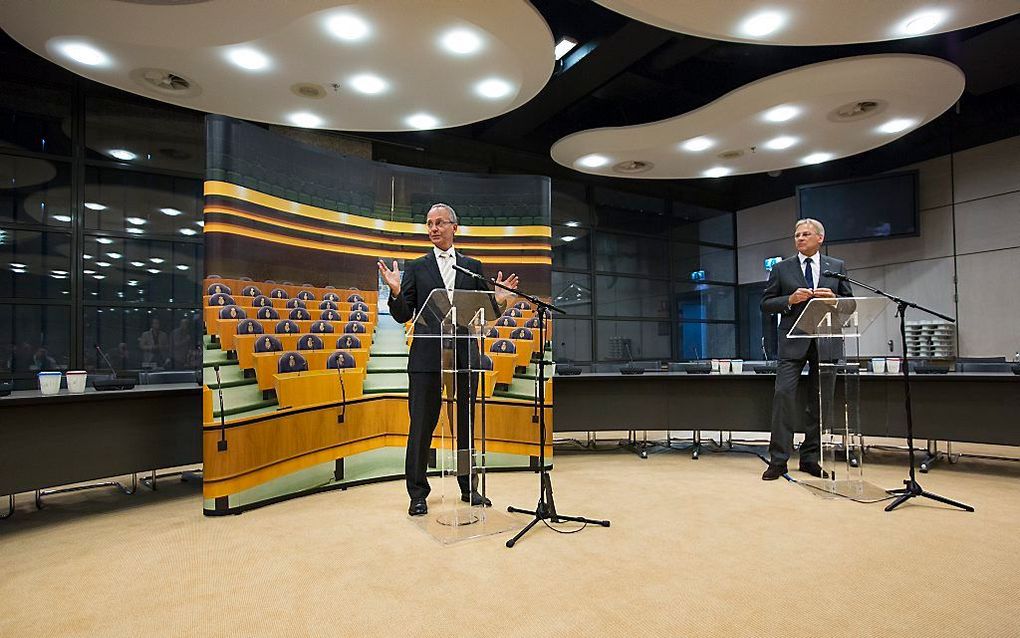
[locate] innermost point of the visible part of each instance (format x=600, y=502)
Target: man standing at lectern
x=792, y=283
x=432, y=271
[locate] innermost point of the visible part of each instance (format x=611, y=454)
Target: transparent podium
x=837, y=324
x=453, y=321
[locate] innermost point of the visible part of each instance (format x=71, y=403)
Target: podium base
x=855, y=490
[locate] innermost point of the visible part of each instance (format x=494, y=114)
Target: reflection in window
x=632, y=297
x=570, y=247
x=701, y=302
x=695, y=262
x=149, y=339
x=706, y=340
x=117, y=269
x=568, y=204
x=34, y=118
x=142, y=204
x=572, y=292
x=698, y=224
x=34, y=338
x=146, y=136
x=35, y=264
x=572, y=340
x=638, y=340
x=630, y=255
x=35, y=191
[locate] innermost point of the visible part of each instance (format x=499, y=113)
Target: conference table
x=965, y=407
x=69, y=438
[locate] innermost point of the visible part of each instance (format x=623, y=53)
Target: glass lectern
x=454, y=323
x=837, y=324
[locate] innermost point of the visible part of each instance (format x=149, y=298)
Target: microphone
x=467, y=272
x=837, y=275
x=631, y=368
x=221, y=445
x=113, y=383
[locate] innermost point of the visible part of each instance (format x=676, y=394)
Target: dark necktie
x=808, y=275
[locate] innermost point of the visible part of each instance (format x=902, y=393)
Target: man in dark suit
x=429, y=272
x=792, y=283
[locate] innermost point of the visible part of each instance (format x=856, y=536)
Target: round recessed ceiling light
x=816, y=158
x=114, y=255
x=593, y=161
x=368, y=84
x=138, y=264
x=305, y=119
x=762, y=24
x=154, y=271
x=137, y=221
x=568, y=238
x=572, y=224
x=135, y=231
x=248, y=58
x=103, y=264
x=62, y=218
x=347, y=27
x=461, y=41
x=156, y=260
x=18, y=265
x=84, y=54
x=422, y=121
x=182, y=266
x=781, y=113
x=897, y=125
x=717, y=171
x=493, y=88
x=104, y=240
x=172, y=212
x=697, y=144
x=121, y=154
x=94, y=206
x=781, y=142
x=188, y=231
x=922, y=22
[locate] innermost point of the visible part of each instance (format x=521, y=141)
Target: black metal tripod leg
x=947, y=501
x=517, y=510
x=903, y=498
x=527, y=528
x=559, y=518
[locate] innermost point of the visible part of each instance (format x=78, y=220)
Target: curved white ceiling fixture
x=828, y=110
x=372, y=65
x=795, y=22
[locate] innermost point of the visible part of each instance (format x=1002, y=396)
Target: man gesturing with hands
x=408, y=293
x=792, y=283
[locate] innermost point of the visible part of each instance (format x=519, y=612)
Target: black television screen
x=880, y=207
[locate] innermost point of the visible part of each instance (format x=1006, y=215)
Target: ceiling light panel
x=817, y=22
x=474, y=60
x=746, y=131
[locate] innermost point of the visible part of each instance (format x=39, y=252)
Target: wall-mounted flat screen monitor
x=879, y=207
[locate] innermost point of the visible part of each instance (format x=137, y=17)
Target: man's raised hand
x=510, y=282
x=391, y=277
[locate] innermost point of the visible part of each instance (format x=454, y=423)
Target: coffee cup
x=892, y=365
x=878, y=365
x=76, y=381
x=724, y=366
x=737, y=366
x=715, y=366
x=49, y=382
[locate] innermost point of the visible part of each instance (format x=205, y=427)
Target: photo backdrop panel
x=305, y=371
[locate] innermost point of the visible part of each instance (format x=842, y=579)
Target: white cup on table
x=49, y=382
x=76, y=381
x=724, y=366
x=737, y=366
x=878, y=365
x=715, y=366
x=892, y=365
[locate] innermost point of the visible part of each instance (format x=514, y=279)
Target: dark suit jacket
x=786, y=277
x=421, y=276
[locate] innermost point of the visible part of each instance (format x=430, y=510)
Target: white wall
x=978, y=239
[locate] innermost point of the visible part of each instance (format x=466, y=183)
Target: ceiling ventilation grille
x=855, y=111
x=166, y=82
x=309, y=90
x=631, y=167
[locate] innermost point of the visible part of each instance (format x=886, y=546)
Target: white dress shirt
x=816, y=266
x=446, y=259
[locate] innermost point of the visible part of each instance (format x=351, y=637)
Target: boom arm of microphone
x=837, y=275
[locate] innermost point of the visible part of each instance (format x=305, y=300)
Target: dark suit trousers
x=787, y=411
x=424, y=402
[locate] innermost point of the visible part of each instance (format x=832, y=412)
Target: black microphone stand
x=911, y=487
x=546, y=508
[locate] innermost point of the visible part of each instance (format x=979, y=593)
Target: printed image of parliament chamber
x=530, y=317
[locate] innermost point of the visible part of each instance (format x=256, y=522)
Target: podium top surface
x=841, y=317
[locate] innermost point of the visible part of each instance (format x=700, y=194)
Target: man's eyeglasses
x=442, y=223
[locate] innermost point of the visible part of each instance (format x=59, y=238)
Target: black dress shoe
x=774, y=471
x=813, y=468
x=418, y=507
x=475, y=498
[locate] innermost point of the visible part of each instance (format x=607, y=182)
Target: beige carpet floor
x=696, y=548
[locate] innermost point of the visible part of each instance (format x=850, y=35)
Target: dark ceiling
x=627, y=72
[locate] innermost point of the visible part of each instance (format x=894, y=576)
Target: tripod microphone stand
x=546, y=508
x=911, y=487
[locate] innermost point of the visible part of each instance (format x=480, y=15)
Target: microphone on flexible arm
x=837, y=275
x=113, y=383
x=467, y=272
x=631, y=368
